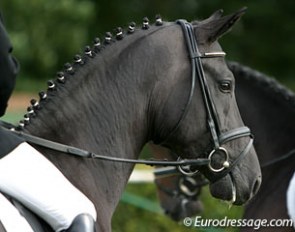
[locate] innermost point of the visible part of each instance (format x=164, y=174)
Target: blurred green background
x=48, y=33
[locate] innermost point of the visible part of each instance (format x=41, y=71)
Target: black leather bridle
x=218, y=138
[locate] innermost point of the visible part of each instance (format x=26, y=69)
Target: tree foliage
x=46, y=34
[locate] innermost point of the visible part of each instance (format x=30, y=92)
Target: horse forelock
x=266, y=83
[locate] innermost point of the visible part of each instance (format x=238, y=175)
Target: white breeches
x=32, y=179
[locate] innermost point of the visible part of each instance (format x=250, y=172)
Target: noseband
x=218, y=138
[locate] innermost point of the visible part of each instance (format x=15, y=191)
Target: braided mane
x=81, y=60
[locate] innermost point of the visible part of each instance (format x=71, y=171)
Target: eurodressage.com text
x=256, y=224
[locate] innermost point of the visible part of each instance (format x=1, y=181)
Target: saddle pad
x=11, y=218
x=30, y=178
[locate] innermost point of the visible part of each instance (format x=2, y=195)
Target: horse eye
x=225, y=86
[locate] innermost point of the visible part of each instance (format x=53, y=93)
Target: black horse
x=269, y=109
x=273, y=108
x=139, y=86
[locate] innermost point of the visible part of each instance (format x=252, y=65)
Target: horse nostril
x=256, y=186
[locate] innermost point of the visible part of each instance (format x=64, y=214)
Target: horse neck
x=267, y=108
x=104, y=108
x=103, y=105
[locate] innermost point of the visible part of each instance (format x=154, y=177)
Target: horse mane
x=80, y=61
x=266, y=83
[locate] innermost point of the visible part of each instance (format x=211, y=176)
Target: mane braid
x=80, y=60
x=267, y=83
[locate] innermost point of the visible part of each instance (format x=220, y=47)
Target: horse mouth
x=226, y=189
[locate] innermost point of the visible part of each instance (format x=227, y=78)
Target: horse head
x=199, y=117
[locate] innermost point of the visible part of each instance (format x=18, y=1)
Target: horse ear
x=211, y=29
x=216, y=15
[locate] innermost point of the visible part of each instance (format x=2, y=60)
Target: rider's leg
x=32, y=179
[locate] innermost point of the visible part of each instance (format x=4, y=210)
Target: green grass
x=137, y=215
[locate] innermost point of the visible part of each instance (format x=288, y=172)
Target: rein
x=286, y=156
x=70, y=150
x=164, y=172
x=223, y=168
x=172, y=171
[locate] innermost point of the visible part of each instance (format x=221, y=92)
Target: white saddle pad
x=34, y=181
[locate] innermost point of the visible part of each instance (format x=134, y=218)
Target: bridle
x=191, y=194
x=163, y=172
x=218, y=138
